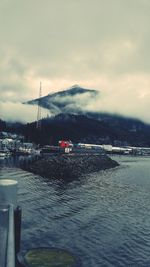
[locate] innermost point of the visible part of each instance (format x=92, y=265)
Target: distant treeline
x=90, y=128
x=2, y=125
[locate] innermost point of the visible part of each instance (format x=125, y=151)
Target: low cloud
x=20, y=112
x=128, y=95
x=105, y=47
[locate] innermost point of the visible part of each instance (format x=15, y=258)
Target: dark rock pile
x=70, y=166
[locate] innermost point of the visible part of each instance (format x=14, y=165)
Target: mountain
x=71, y=120
x=81, y=128
x=71, y=100
x=90, y=128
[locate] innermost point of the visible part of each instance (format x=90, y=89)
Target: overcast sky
x=101, y=44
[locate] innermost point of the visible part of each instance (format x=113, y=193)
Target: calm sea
x=103, y=218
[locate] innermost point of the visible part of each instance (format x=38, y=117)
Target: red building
x=65, y=143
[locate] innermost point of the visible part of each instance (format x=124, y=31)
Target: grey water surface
x=103, y=218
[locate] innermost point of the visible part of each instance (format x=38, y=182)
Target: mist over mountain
x=74, y=116
x=19, y=112
x=73, y=100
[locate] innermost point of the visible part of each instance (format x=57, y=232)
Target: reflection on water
x=104, y=218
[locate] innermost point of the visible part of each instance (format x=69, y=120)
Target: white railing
x=10, y=248
x=8, y=201
x=7, y=238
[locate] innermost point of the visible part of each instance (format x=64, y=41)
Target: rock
x=70, y=166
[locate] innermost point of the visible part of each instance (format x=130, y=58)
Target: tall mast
x=38, y=123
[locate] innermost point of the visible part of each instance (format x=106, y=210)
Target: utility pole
x=38, y=123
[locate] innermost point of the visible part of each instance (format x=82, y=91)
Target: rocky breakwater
x=69, y=166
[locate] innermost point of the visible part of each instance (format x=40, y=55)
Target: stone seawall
x=69, y=166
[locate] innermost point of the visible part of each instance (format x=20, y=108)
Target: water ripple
x=103, y=217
